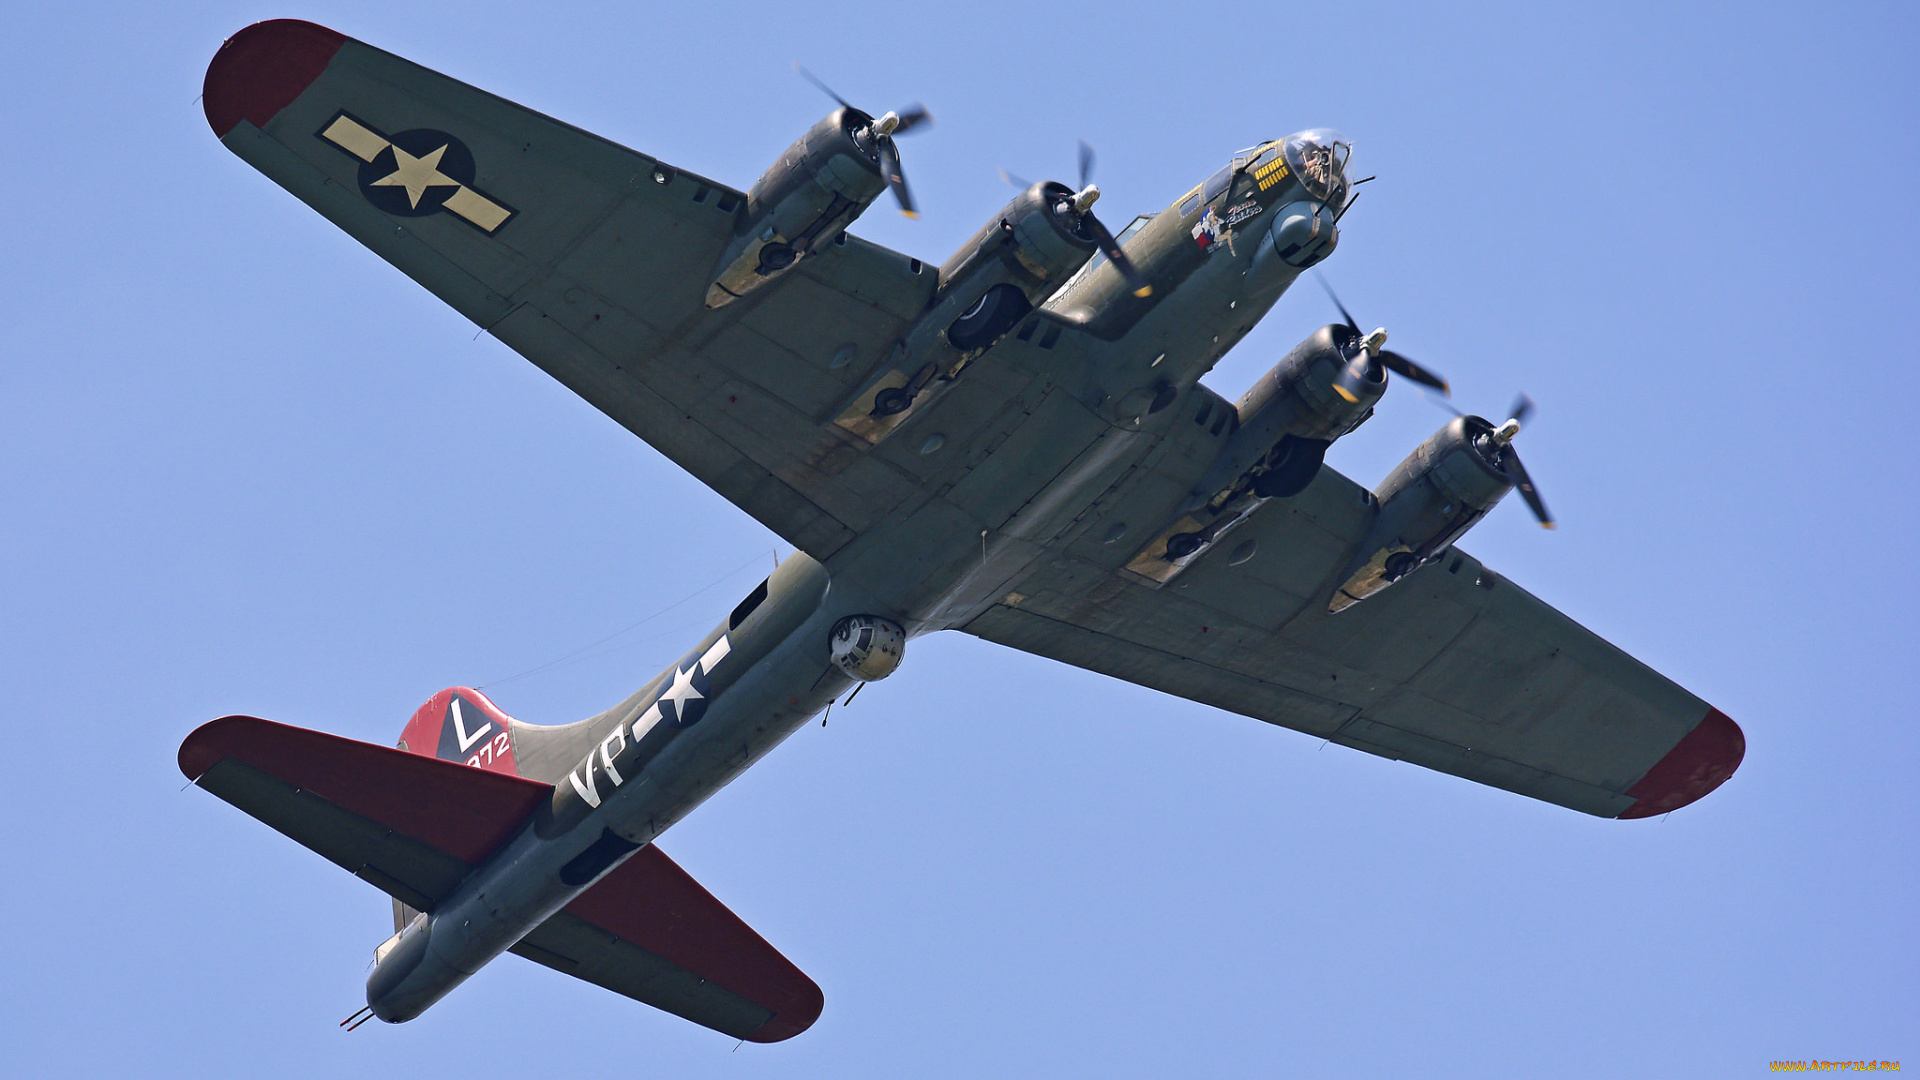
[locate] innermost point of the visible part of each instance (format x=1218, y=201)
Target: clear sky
x=245, y=466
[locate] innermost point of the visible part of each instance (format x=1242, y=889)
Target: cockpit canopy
x=1318, y=157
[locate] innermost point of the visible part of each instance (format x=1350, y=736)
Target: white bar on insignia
x=347, y=133
x=644, y=722
x=715, y=654
x=478, y=209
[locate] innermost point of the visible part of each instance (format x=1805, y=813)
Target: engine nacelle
x=1289, y=418
x=992, y=282
x=1029, y=248
x=1424, y=505
x=823, y=182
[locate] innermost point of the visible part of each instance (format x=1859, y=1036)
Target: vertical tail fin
x=460, y=724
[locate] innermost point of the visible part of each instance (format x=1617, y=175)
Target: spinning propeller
x=880, y=132
x=1079, y=205
x=1500, y=444
x=1365, y=367
x=1497, y=446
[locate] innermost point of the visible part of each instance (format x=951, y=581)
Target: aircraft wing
x=1453, y=667
x=415, y=826
x=591, y=260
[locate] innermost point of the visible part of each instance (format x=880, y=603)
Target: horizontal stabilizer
x=416, y=826
x=411, y=825
x=649, y=931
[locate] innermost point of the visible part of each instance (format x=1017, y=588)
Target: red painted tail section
x=649, y=901
x=417, y=826
x=461, y=724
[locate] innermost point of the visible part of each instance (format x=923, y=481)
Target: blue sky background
x=247, y=467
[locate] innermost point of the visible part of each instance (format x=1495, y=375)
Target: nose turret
x=1318, y=157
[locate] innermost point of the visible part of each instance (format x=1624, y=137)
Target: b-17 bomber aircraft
x=1014, y=444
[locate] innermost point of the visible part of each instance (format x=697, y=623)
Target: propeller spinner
x=880, y=132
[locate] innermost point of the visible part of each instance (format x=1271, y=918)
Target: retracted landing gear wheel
x=1291, y=467
x=990, y=317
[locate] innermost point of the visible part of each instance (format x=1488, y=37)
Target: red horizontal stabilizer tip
x=261, y=69
x=651, y=902
x=462, y=811
x=1696, y=765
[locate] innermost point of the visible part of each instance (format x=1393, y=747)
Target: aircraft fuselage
x=1217, y=259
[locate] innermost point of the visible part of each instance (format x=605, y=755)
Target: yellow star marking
x=416, y=174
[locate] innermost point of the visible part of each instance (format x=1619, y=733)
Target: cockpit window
x=1319, y=158
x=1099, y=258
x=1216, y=184
x=1264, y=159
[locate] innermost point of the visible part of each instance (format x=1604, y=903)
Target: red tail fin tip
x=462, y=724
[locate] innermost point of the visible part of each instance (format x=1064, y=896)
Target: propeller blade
x=1331, y=295
x=1086, y=163
x=1111, y=249
x=1522, y=406
x=897, y=180
x=1016, y=181
x=1400, y=365
x=1510, y=460
x=809, y=76
x=916, y=115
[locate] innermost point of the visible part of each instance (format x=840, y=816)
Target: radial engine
x=809, y=197
x=1433, y=497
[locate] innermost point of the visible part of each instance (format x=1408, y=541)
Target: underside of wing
x=1454, y=667
x=593, y=261
x=413, y=826
x=649, y=931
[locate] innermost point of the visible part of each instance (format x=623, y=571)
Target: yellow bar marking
x=349, y=135
x=478, y=209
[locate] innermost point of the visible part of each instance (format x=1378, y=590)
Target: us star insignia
x=415, y=173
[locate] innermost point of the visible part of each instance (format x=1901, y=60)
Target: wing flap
x=411, y=825
x=650, y=932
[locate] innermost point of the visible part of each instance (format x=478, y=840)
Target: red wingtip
x=1698, y=763
x=261, y=69
x=204, y=748
x=796, y=1018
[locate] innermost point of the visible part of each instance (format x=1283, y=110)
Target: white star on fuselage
x=416, y=174
x=682, y=689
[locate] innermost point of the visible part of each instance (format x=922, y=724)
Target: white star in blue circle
x=687, y=696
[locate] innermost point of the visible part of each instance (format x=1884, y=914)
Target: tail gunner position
x=1014, y=444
